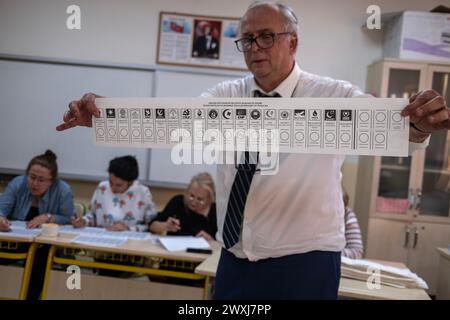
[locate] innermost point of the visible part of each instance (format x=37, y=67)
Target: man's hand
x=37, y=221
x=80, y=112
x=4, y=225
x=118, y=226
x=428, y=112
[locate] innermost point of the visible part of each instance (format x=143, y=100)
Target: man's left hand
x=428, y=112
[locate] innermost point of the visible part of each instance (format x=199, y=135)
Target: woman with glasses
x=37, y=197
x=193, y=213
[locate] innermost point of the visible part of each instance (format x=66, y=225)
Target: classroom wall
x=332, y=42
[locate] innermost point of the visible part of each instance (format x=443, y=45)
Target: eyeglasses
x=199, y=200
x=265, y=40
x=38, y=179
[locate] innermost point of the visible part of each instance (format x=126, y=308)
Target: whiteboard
x=33, y=98
x=180, y=84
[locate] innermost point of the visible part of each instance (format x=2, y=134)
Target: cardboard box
x=418, y=35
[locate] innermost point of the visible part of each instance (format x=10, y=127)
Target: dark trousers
x=311, y=275
x=38, y=272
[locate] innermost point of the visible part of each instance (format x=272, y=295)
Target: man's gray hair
x=290, y=20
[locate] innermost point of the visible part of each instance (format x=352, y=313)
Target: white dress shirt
x=299, y=209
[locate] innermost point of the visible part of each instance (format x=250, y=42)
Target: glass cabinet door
x=395, y=172
x=393, y=186
x=435, y=199
x=403, y=83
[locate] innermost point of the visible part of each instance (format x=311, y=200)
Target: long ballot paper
x=349, y=126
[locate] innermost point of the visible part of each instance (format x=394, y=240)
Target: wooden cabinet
x=403, y=204
x=443, y=286
x=388, y=240
x=422, y=256
x=413, y=243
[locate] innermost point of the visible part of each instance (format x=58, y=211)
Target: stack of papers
x=19, y=230
x=390, y=276
x=181, y=243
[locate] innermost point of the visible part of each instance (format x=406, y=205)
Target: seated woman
x=37, y=197
x=122, y=202
x=193, y=213
x=118, y=204
x=353, y=242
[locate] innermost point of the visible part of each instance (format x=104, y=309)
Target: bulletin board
x=199, y=41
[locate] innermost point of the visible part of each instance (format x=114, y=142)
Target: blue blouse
x=15, y=202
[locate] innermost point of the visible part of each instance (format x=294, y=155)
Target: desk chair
x=80, y=209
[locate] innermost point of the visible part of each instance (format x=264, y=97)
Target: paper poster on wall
x=200, y=41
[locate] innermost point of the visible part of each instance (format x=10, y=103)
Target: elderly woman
x=121, y=202
x=37, y=197
x=193, y=213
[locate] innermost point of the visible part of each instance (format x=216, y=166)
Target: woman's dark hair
x=46, y=160
x=125, y=168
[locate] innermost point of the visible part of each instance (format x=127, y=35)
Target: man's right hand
x=4, y=225
x=80, y=112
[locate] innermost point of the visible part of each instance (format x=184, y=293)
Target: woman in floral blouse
x=122, y=202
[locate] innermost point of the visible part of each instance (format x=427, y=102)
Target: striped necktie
x=239, y=191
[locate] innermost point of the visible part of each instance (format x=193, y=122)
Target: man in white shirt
x=288, y=243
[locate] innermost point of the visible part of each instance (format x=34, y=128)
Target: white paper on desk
x=93, y=231
x=24, y=233
x=349, y=126
x=16, y=224
x=132, y=235
x=19, y=230
x=181, y=243
x=85, y=230
x=99, y=241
